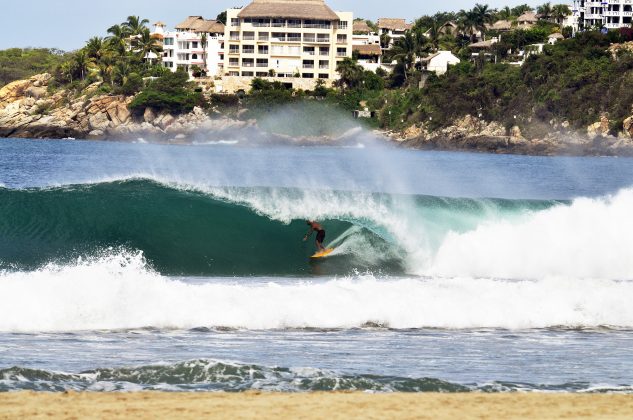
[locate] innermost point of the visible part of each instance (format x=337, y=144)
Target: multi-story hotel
x=286, y=39
x=184, y=47
x=610, y=14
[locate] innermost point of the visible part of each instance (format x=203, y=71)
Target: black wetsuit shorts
x=320, y=236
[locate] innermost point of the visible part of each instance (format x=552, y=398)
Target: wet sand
x=314, y=405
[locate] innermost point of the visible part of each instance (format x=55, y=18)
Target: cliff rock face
x=28, y=110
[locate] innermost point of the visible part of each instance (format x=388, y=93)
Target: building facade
x=286, y=39
x=184, y=48
x=393, y=28
x=610, y=14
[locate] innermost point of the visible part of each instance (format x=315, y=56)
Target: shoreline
x=319, y=405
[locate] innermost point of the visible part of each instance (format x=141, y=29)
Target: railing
x=246, y=64
x=234, y=38
x=324, y=66
x=293, y=39
x=324, y=53
x=309, y=52
x=264, y=37
x=261, y=24
x=262, y=64
x=263, y=52
x=309, y=38
x=248, y=51
x=249, y=38
x=234, y=51
x=317, y=26
x=234, y=63
x=323, y=39
x=341, y=53
x=308, y=66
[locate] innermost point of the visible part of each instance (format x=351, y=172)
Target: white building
x=610, y=14
x=394, y=28
x=438, y=63
x=183, y=48
x=287, y=39
x=364, y=35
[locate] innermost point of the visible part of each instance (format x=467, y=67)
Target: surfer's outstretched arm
x=305, y=238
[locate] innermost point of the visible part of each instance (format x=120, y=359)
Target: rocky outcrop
x=474, y=134
x=27, y=109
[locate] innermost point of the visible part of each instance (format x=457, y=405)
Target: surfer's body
x=320, y=237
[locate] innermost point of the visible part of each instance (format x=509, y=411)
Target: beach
x=314, y=405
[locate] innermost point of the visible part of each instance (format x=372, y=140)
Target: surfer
x=315, y=227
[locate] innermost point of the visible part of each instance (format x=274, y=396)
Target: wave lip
x=118, y=292
x=212, y=375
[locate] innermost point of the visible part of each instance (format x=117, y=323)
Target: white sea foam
x=119, y=292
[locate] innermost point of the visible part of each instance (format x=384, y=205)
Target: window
x=248, y=62
x=341, y=39
x=342, y=24
x=324, y=51
x=324, y=64
x=235, y=22
x=308, y=50
x=248, y=49
x=262, y=49
x=341, y=52
x=308, y=64
x=308, y=75
x=235, y=36
x=194, y=56
x=309, y=38
x=323, y=37
x=264, y=36
x=234, y=49
x=234, y=73
x=169, y=41
x=234, y=62
x=294, y=50
x=249, y=36
x=261, y=74
x=294, y=23
x=294, y=37
x=247, y=74
x=194, y=44
x=323, y=76
x=262, y=62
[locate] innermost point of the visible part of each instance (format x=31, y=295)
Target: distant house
x=554, y=38
x=363, y=34
x=395, y=28
x=370, y=57
x=438, y=63
x=527, y=20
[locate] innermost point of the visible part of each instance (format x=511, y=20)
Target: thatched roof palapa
x=200, y=24
x=394, y=24
x=371, y=49
x=527, y=17
x=362, y=27
x=290, y=9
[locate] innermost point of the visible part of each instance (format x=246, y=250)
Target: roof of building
x=482, y=44
x=394, y=24
x=293, y=9
x=557, y=35
x=371, y=49
x=160, y=23
x=528, y=17
x=200, y=24
x=501, y=25
x=362, y=26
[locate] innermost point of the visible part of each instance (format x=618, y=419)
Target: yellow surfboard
x=322, y=254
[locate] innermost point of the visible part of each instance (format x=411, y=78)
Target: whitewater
x=183, y=269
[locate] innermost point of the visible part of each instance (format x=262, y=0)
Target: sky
x=67, y=24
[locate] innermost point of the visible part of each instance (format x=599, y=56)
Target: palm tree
x=405, y=50
x=385, y=40
x=95, y=48
x=504, y=14
x=135, y=25
x=117, y=39
x=204, y=41
x=545, y=11
x=482, y=15
x=146, y=44
x=350, y=73
x=434, y=34
x=519, y=10
x=83, y=63
x=466, y=23
x=560, y=12
x=121, y=73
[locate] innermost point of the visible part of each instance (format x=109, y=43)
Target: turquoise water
x=137, y=266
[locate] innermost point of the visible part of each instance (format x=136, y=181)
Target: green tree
x=560, y=12
x=83, y=63
x=204, y=42
x=134, y=25
x=519, y=10
x=171, y=92
x=221, y=18
x=117, y=40
x=545, y=11
x=146, y=44
x=351, y=74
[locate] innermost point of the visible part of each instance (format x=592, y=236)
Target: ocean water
x=136, y=266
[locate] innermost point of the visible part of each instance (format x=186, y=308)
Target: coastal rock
x=413, y=132
x=600, y=128
x=628, y=127
x=99, y=121
x=118, y=113
x=149, y=116
x=164, y=121
x=515, y=132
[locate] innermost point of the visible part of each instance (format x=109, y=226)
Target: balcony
x=308, y=66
